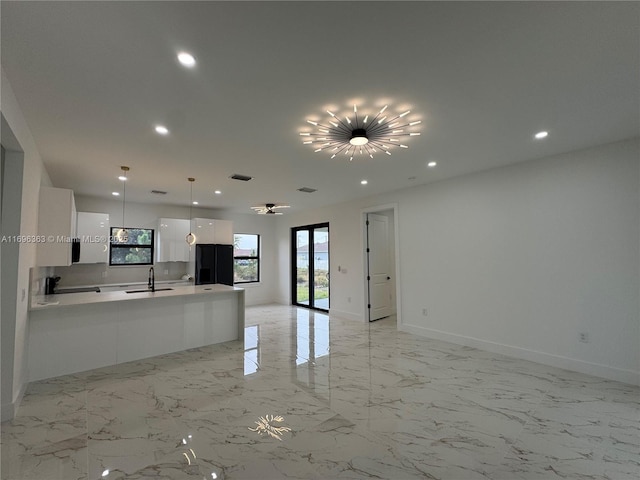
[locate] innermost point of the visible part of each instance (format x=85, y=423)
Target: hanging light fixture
x=122, y=235
x=191, y=238
x=361, y=133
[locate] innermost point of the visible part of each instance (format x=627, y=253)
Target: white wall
x=146, y=216
x=21, y=147
x=518, y=259
x=523, y=259
x=345, y=236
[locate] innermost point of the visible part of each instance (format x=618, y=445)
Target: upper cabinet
x=171, y=240
x=93, y=233
x=208, y=230
x=56, y=226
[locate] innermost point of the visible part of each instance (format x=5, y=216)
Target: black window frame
x=246, y=257
x=115, y=244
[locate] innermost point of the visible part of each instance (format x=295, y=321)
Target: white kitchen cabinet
x=171, y=243
x=223, y=232
x=56, y=226
x=93, y=233
x=209, y=230
x=203, y=230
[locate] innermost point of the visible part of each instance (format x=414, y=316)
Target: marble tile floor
x=309, y=397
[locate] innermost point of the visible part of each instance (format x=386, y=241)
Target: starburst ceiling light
x=361, y=132
x=269, y=209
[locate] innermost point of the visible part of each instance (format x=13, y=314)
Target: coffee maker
x=50, y=284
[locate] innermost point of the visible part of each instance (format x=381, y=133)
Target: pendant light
x=191, y=238
x=122, y=235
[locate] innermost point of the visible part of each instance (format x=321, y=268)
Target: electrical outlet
x=424, y=312
x=166, y=272
x=104, y=274
x=584, y=337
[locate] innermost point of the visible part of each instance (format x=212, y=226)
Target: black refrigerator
x=214, y=264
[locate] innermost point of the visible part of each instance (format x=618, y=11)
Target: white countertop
x=40, y=302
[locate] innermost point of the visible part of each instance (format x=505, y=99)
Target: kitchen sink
x=147, y=290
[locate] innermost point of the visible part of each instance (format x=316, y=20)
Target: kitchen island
x=75, y=332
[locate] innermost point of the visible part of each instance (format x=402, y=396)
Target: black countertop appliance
x=214, y=264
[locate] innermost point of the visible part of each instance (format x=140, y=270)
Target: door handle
x=388, y=278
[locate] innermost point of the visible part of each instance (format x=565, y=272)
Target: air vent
x=307, y=190
x=237, y=176
x=158, y=192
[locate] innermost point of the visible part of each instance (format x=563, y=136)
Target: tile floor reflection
x=358, y=401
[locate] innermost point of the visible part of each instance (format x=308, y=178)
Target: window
x=131, y=246
x=246, y=258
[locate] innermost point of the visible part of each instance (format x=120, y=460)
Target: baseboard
x=598, y=370
x=260, y=304
x=9, y=410
x=346, y=315
x=259, y=301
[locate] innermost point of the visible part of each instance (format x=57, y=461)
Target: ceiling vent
x=307, y=190
x=237, y=176
x=158, y=192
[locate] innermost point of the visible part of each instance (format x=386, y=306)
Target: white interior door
x=379, y=274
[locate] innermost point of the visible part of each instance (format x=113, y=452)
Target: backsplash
x=100, y=273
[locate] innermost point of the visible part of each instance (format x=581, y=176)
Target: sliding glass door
x=310, y=262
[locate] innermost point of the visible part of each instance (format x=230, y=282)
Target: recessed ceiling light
x=195, y=203
x=431, y=164
x=218, y=192
x=162, y=130
x=115, y=194
x=541, y=135
x=186, y=59
x=363, y=182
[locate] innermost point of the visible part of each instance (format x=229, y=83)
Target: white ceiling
x=93, y=78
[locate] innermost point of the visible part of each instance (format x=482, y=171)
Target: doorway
x=310, y=266
x=380, y=263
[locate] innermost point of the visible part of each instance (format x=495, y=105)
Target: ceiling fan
x=269, y=209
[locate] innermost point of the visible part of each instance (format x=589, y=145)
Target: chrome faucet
x=152, y=280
